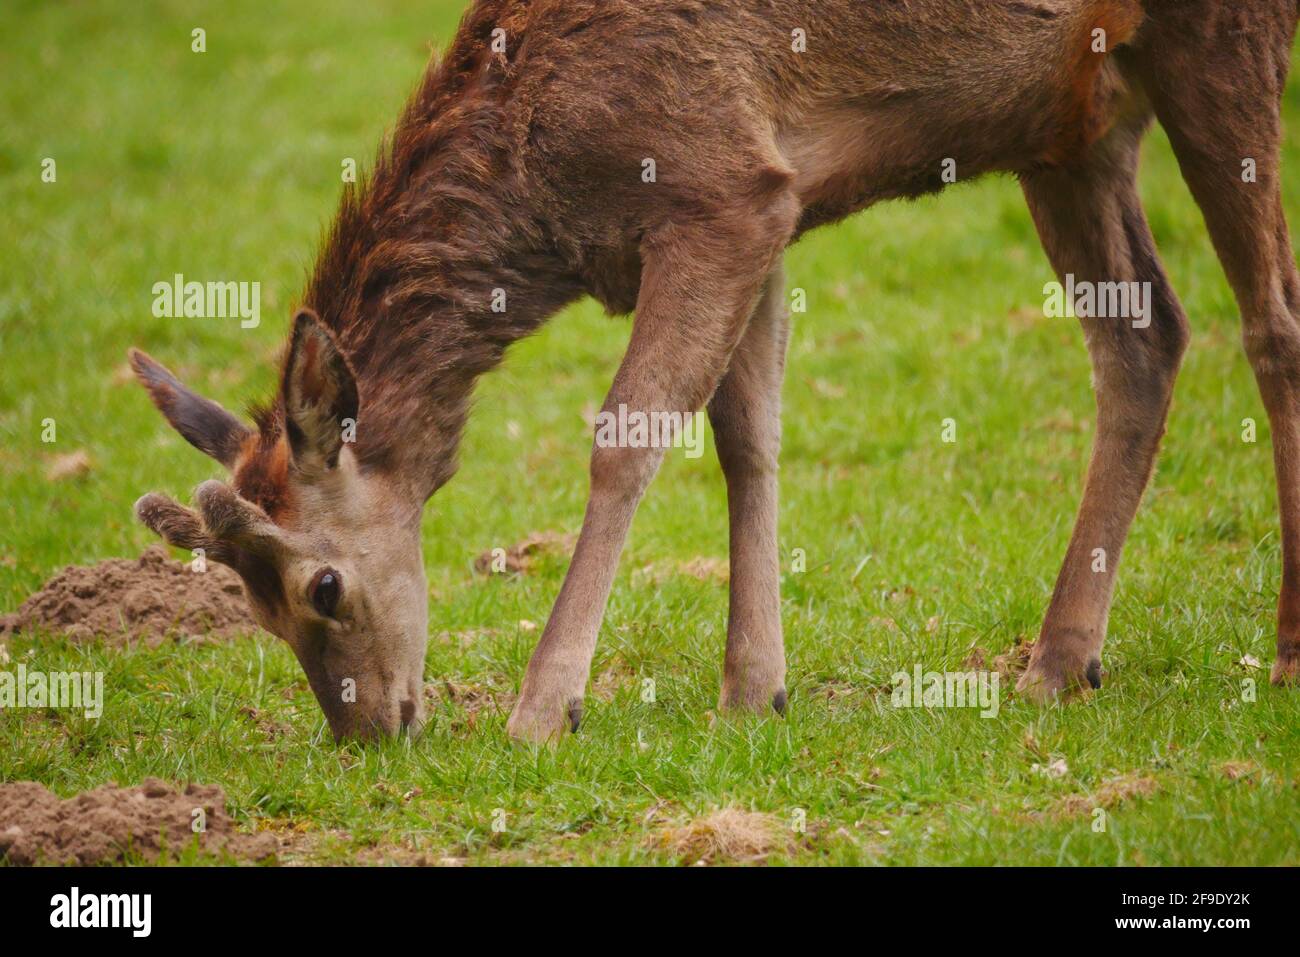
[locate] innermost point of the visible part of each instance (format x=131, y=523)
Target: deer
x=517, y=172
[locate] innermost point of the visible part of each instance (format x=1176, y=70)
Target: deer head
x=328, y=550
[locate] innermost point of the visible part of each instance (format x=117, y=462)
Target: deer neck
x=433, y=268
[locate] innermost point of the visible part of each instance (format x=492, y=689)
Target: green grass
x=226, y=165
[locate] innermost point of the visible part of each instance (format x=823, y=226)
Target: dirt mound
x=101, y=826
x=148, y=599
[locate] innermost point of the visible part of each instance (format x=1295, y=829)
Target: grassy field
x=227, y=163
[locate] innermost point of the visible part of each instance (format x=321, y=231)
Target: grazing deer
x=518, y=170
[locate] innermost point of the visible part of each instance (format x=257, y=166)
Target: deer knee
x=1144, y=370
x=746, y=447
x=747, y=463
x=1172, y=339
x=1272, y=344
x=621, y=474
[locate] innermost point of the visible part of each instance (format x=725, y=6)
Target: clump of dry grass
x=1111, y=793
x=521, y=558
x=727, y=835
x=1240, y=770
x=701, y=568
x=1010, y=664
x=69, y=466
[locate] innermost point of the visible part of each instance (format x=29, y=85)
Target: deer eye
x=324, y=592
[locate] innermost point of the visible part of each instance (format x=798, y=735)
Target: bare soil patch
x=151, y=599
x=104, y=825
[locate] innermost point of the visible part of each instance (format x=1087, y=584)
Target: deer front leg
x=746, y=417
x=1092, y=226
x=699, y=287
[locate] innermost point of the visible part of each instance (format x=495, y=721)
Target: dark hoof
x=1093, y=674
x=778, y=702
x=575, y=714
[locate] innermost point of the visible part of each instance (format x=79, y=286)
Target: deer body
x=659, y=155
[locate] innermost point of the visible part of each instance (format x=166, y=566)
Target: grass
x=226, y=165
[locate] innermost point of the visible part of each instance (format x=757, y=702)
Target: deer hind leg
x=1216, y=75
x=746, y=417
x=1091, y=224
x=700, y=284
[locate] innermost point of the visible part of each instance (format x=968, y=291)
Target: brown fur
x=490, y=181
x=261, y=473
x=1088, y=109
x=521, y=171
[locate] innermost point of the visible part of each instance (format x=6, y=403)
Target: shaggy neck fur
x=421, y=253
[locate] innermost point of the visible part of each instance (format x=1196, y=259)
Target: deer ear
x=204, y=424
x=319, y=393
